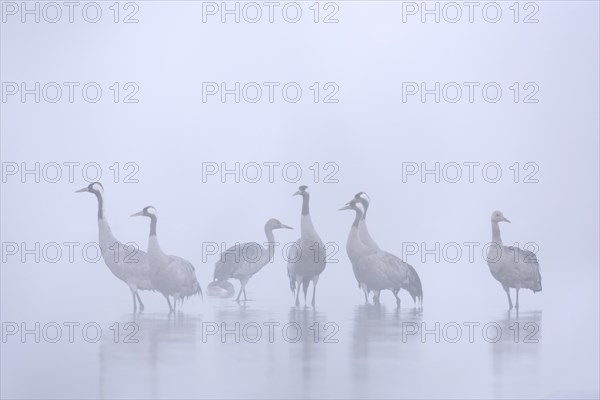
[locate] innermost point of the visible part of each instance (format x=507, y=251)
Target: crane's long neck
x=307, y=230
x=305, y=200
x=365, y=236
x=496, y=238
x=354, y=246
x=153, y=246
x=270, y=244
x=363, y=231
x=306, y=225
x=105, y=235
x=153, y=221
x=357, y=219
x=100, y=205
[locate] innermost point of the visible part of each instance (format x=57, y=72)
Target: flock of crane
x=375, y=270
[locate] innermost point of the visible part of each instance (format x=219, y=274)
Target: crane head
x=363, y=198
x=94, y=187
x=355, y=205
x=302, y=191
x=276, y=224
x=497, y=216
x=149, y=211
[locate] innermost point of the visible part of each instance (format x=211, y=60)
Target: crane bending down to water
x=307, y=258
x=376, y=269
x=244, y=260
x=173, y=276
x=511, y=266
x=223, y=289
x=126, y=262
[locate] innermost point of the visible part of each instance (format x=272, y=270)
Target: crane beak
x=297, y=193
x=283, y=226
x=137, y=214
x=85, y=189
x=505, y=219
x=346, y=207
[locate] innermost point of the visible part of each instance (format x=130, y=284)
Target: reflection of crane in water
x=377, y=335
x=311, y=351
x=516, y=350
x=149, y=367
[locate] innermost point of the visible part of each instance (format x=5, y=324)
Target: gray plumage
x=244, y=260
x=511, y=266
x=365, y=237
x=307, y=258
x=363, y=231
x=173, y=275
x=378, y=270
x=126, y=262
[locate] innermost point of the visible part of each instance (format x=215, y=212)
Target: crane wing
x=403, y=275
x=240, y=260
x=128, y=263
x=523, y=268
x=182, y=276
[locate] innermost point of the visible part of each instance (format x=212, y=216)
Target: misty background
x=368, y=134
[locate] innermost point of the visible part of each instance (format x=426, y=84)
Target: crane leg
x=174, y=304
x=510, y=304
x=376, y=294
x=297, y=295
x=242, y=290
x=363, y=287
x=134, y=303
x=169, y=303
x=305, y=289
x=395, y=291
x=314, y=281
x=139, y=301
x=517, y=305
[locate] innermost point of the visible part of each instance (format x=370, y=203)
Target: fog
x=535, y=159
